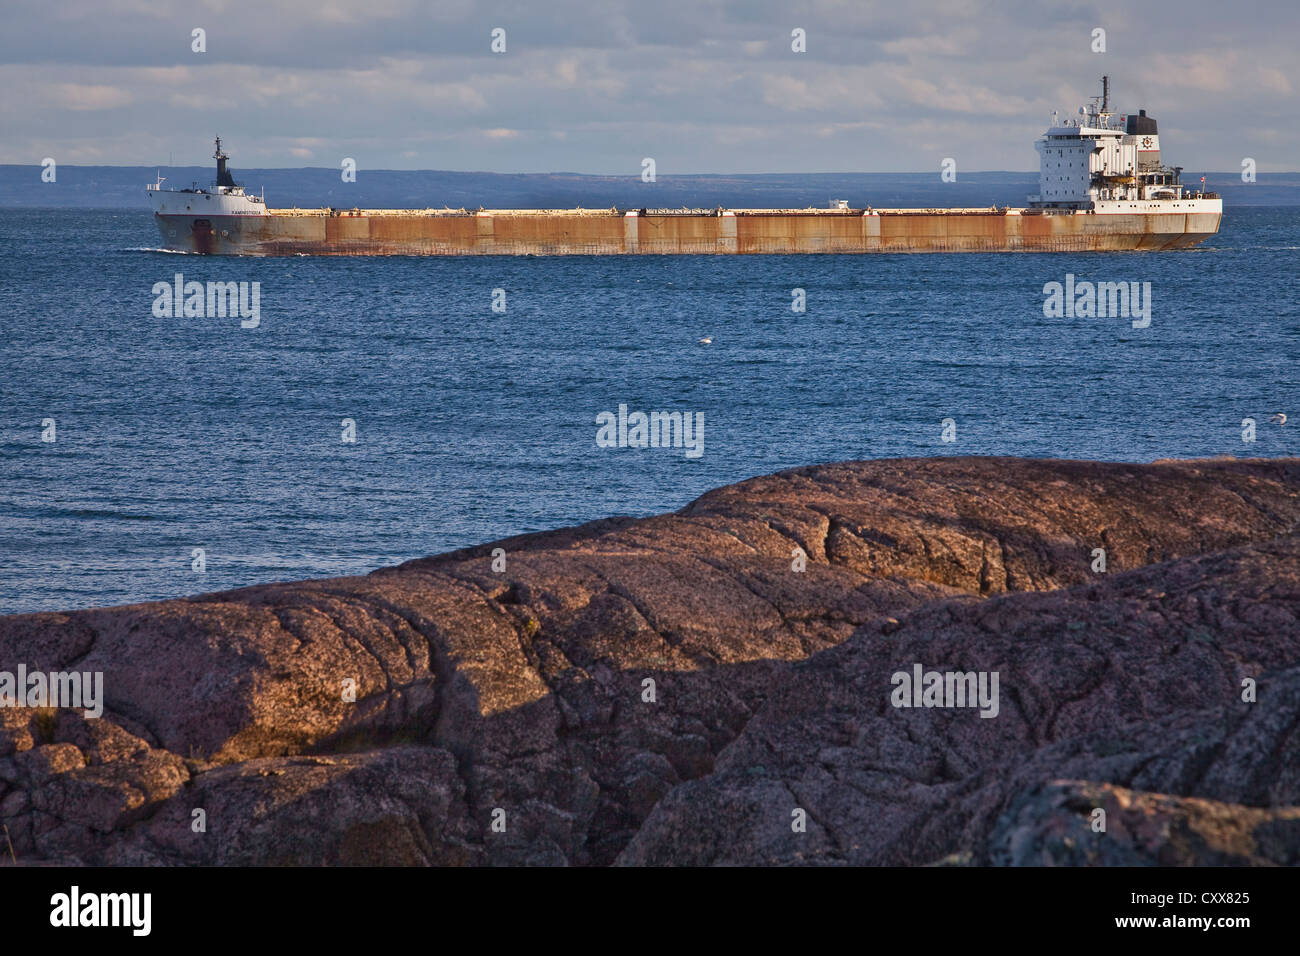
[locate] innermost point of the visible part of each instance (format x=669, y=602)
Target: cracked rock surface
x=505, y=717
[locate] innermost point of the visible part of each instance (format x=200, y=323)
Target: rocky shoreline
x=714, y=686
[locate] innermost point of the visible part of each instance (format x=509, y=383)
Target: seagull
x=1279, y=418
x=710, y=342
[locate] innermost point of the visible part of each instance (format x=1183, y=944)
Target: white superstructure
x=222, y=197
x=1105, y=163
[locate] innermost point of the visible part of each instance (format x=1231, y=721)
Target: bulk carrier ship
x=1102, y=187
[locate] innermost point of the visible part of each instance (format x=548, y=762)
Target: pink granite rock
x=506, y=717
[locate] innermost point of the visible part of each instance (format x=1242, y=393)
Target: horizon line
x=566, y=172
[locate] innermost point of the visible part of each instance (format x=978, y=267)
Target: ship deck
x=580, y=213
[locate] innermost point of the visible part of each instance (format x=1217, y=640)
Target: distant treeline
x=121, y=187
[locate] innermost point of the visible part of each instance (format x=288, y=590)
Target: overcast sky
x=595, y=86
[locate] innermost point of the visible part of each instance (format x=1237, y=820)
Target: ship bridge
x=1101, y=157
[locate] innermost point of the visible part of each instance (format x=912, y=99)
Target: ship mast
x=1101, y=105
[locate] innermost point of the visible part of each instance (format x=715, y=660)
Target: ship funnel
x=223, y=175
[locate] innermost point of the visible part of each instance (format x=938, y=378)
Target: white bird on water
x=706, y=341
x=1279, y=418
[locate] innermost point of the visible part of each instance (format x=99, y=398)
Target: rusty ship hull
x=285, y=232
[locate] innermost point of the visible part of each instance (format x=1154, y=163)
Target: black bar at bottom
x=351, y=906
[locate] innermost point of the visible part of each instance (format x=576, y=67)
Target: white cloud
x=87, y=96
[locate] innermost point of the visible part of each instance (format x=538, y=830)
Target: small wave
x=104, y=513
x=170, y=252
x=54, y=511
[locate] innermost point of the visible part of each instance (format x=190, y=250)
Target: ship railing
x=946, y=211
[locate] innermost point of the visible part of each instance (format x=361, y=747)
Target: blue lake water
x=174, y=433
